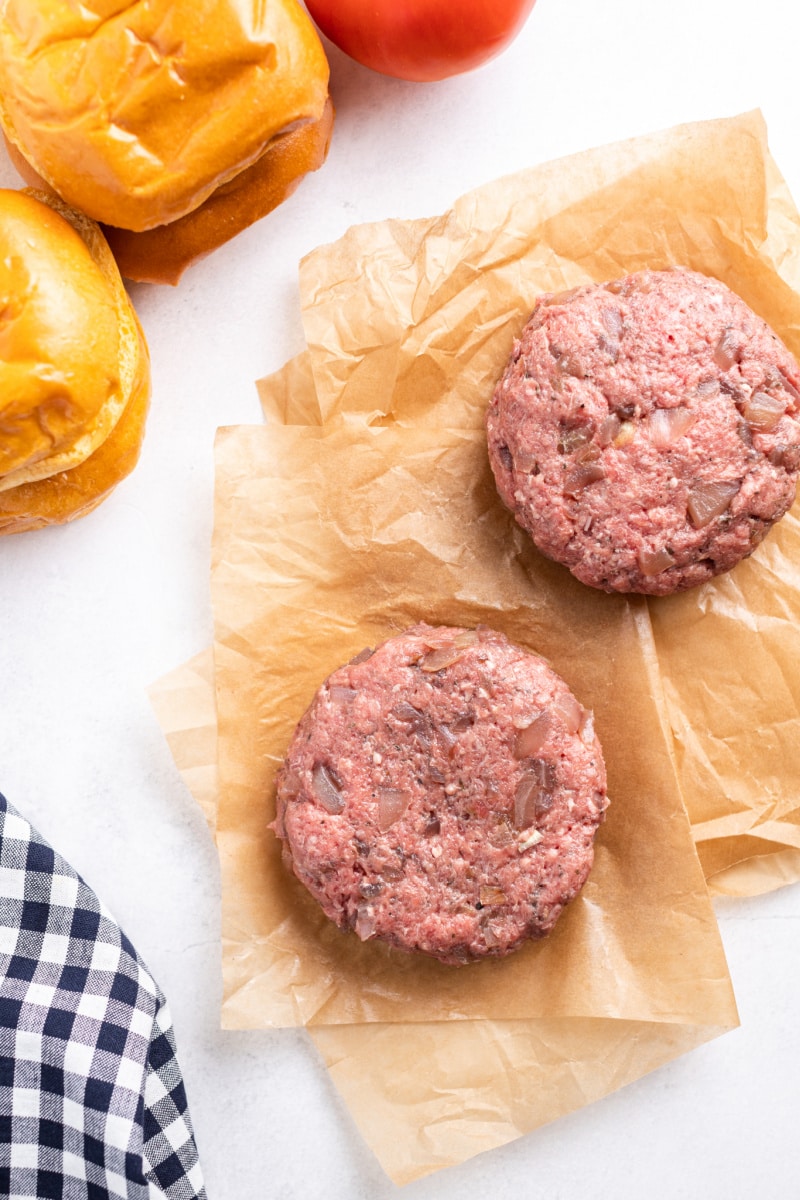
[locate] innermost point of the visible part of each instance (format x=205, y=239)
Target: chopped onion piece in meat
x=653, y=562
x=504, y=454
x=587, y=727
x=365, y=922
x=448, y=737
x=786, y=456
x=609, y=428
x=525, y=802
x=392, y=803
x=611, y=316
x=728, y=349
x=666, y=425
x=500, y=834
x=707, y=388
x=526, y=463
x=570, y=711
x=492, y=895
x=340, y=694
x=489, y=935
x=327, y=789
x=570, y=364
x=467, y=637
x=609, y=346
x=573, y=438
x=586, y=466
x=790, y=388
x=362, y=656
x=745, y=433
x=558, y=297
x=580, y=476
x=709, y=500
x=762, y=412
x=545, y=774
x=530, y=740
x=444, y=656
x=290, y=786
x=413, y=717
x=533, y=795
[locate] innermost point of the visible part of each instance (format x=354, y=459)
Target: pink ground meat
x=442, y=794
x=646, y=432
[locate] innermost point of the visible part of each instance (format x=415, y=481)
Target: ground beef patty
x=646, y=432
x=442, y=794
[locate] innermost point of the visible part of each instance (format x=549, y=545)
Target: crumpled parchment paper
x=365, y=503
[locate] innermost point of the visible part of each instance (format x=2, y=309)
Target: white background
x=92, y=614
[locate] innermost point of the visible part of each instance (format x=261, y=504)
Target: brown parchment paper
x=408, y=321
x=365, y=503
x=484, y=1082
x=330, y=538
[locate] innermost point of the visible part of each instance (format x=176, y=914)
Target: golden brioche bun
x=161, y=255
x=74, y=366
x=136, y=114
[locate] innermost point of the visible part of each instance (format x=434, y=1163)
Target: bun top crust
x=68, y=339
x=135, y=113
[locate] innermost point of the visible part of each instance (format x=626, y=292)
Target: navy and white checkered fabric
x=92, y=1103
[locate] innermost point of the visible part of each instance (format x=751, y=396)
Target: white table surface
x=94, y=613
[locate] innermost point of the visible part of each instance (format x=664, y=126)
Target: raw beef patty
x=442, y=794
x=646, y=432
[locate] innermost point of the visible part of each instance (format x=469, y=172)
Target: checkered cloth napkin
x=92, y=1103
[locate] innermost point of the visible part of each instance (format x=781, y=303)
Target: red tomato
x=420, y=39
